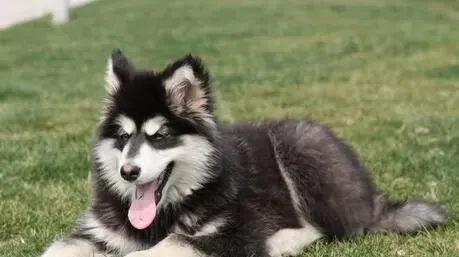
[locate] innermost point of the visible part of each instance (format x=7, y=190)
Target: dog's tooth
x=138, y=195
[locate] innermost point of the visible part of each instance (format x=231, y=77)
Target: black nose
x=130, y=172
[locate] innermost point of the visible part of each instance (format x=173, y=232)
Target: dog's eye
x=162, y=133
x=124, y=137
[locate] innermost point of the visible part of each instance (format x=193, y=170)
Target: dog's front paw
x=71, y=248
x=140, y=254
x=103, y=255
x=171, y=246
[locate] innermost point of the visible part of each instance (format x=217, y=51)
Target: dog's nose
x=130, y=172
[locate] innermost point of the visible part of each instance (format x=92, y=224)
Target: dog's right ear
x=119, y=70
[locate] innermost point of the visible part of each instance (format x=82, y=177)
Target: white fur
x=127, y=124
x=108, y=156
x=151, y=126
x=189, y=219
x=191, y=160
x=211, y=227
x=150, y=160
x=291, y=242
x=208, y=228
x=183, y=90
x=182, y=74
x=291, y=187
x=112, y=82
x=177, y=230
x=70, y=248
x=153, y=162
x=190, y=171
x=123, y=159
x=175, y=85
x=287, y=242
x=169, y=247
x=114, y=239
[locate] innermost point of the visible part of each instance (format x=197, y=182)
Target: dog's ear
x=187, y=86
x=119, y=69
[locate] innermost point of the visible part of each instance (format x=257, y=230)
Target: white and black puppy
x=168, y=180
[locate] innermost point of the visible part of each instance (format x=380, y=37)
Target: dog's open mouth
x=162, y=180
x=142, y=211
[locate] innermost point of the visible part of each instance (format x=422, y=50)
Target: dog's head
x=157, y=129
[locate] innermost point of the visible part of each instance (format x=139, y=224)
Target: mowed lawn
x=383, y=73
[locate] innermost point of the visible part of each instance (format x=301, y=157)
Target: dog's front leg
x=172, y=246
x=83, y=242
x=72, y=247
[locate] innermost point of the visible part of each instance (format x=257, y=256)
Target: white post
x=60, y=11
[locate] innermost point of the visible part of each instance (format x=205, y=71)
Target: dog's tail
x=405, y=216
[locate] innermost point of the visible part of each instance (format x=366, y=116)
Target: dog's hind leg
x=291, y=241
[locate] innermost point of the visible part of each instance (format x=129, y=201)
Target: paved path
x=17, y=11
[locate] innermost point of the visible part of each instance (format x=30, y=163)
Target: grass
x=384, y=74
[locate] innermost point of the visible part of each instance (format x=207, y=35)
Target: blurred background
x=383, y=73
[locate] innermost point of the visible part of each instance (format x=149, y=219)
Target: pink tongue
x=143, y=211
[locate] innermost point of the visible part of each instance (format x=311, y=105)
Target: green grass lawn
x=383, y=73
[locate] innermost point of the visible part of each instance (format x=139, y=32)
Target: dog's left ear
x=187, y=86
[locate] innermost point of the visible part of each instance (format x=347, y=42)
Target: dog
x=167, y=179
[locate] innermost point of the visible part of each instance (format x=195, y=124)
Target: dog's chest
x=186, y=224
x=191, y=225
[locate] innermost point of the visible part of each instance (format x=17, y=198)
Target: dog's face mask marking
x=147, y=152
x=156, y=135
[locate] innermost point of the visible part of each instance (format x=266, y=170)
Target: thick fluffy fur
x=261, y=189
